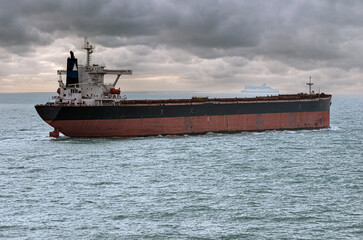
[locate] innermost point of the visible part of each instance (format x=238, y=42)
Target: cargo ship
x=88, y=107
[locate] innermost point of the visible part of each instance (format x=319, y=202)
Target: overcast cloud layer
x=187, y=45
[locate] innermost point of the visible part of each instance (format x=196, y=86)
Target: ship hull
x=136, y=119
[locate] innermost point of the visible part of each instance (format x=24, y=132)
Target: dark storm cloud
x=183, y=23
x=301, y=29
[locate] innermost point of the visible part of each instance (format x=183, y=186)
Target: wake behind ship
x=87, y=107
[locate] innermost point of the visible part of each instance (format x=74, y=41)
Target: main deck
x=199, y=100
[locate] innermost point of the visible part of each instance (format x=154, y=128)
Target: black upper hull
x=135, y=111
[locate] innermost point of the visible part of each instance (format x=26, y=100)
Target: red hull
x=191, y=125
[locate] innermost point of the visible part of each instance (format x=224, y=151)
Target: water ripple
x=302, y=184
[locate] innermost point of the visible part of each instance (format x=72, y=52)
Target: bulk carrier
x=87, y=107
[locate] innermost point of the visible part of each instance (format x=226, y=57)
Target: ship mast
x=310, y=84
x=89, y=49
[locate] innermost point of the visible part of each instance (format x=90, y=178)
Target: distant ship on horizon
x=259, y=91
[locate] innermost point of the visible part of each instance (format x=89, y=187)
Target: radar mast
x=310, y=84
x=89, y=49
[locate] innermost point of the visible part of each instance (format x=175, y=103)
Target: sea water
x=305, y=184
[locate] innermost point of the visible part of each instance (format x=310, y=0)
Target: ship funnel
x=72, y=70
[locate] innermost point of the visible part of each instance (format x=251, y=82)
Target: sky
x=181, y=45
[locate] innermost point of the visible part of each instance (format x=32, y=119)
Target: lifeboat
x=115, y=91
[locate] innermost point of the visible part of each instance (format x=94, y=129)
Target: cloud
x=210, y=44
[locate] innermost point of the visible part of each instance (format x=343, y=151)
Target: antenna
x=310, y=84
x=89, y=49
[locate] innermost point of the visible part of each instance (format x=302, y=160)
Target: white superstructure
x=85, y=84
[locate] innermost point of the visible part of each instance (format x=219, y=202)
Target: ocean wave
x=334, y=128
